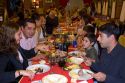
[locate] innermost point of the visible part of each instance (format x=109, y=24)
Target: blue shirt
x=112, y=64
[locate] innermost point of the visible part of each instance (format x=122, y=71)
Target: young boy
x=88, y=42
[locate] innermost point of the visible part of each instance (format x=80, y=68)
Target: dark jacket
x=8, y=65
x=51, y=24
x=27, y=53
x=112, y=64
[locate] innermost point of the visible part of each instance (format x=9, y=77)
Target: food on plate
x=38, y=70
x=77, y=53
x=58, y=53
x=81, y=74
x=76, y=60
x=74, y=66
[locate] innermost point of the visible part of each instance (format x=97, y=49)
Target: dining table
x=54, y=69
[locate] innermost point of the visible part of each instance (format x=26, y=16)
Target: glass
x=52, y=60
x=60, y=46
x=65, y=47
x=62, y=62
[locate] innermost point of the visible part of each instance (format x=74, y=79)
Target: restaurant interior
x=54, y=36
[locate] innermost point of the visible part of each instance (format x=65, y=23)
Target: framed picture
x=48, y=1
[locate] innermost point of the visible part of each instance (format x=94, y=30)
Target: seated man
x=27, y=42
x=110, y=68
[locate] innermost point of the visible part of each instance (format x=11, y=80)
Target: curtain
x=99, y=7
x=122, y=16
x=113, y=9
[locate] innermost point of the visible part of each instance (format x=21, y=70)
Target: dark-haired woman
x=12, y=62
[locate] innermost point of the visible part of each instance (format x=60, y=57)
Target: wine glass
x=62, y=62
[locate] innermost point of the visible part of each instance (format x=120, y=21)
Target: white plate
x=42, y=66
x=76, y=60
x=74, y=74
x=54, y=78
x=77, y=53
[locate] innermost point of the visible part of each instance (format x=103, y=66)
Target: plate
x=86, y=74
x=54, y=78
x=41, y=66
x=76, y=60
x=77, y=53
x=73, y=66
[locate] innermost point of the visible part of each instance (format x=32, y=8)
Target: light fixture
x=33, y=0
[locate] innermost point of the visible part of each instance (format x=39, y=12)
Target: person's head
x=28, y=27
x=37, y=19
x=88, y=29
x=108, y=35
x=79, y=41
x=82, y=13
x=10, y=35
x=80, y=31
x=43, y=20
x=89, y=40
x=52, y=14
x=81, y=23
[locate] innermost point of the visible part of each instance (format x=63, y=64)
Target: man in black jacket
x=110, y=68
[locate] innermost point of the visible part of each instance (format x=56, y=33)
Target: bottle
x=74, y=43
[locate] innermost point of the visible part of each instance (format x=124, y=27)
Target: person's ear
x=111, y=37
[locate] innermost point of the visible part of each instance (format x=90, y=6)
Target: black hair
x=91, y=37
x=83, y=12
x=30, y=20
x=89, y=29
x=8, y=42
x=42, y=15
x=110, y=29
x=35, y=16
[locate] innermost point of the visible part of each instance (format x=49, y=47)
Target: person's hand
x=99, y=76
x=42, y=47
x=38, y=57
x=28, y=73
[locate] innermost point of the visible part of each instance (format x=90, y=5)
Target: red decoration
x=63, y=3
